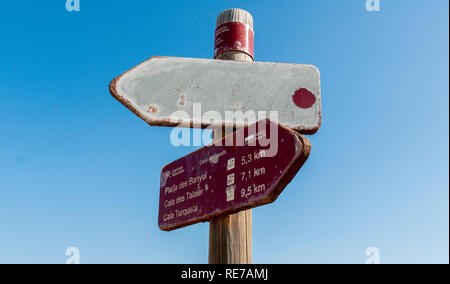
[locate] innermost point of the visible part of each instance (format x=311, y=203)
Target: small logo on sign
x=230, y=193
x=230, y=179
x=231, y=164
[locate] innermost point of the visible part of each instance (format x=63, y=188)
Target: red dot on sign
x=304, y=98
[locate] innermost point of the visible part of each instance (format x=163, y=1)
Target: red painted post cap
x=234, y=32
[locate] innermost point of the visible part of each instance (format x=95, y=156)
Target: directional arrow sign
x=221, y=180
x=159, y=88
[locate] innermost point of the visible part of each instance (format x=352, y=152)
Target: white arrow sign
x=158, y=89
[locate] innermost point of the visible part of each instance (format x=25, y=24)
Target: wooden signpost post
x=221, y=184
x=230, y=237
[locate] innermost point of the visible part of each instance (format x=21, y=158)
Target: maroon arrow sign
x=220, y=180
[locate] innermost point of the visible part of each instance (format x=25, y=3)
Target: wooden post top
x=234, y=37
x=235, y=15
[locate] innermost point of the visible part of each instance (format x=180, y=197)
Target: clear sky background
x=79, y=169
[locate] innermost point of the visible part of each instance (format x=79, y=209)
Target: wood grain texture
x=235, y=15
x=230, y=237
x=235, y=55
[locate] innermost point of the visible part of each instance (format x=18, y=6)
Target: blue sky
x=79, y=169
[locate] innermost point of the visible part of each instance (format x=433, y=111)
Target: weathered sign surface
x=161, y=86
x=221, y=180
